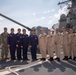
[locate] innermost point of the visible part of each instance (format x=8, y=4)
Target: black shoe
x=26, y=59
x=34, y=60
x=51, y=59
x=58, y=59
x=19, y=59
x=66, y=57
x=43, y=59
x=6, y=58
x=74, y=58
x=70, y=57
x=12, y=60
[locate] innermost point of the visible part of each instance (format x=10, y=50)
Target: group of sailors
x=47, y=44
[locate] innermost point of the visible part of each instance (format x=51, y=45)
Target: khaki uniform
x=74, y=51
x=72, y=44
x=0, y=39
x=4, y=52
x=64, y=43
x=50, y=45
x=57, y=46
x=43, y=44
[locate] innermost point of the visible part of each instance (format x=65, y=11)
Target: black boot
x=58, y=59
x=66, y=57
x=70, y=57
x=51, y=59
x=43, y=59
x=74, y=58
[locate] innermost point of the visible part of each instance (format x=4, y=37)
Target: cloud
x=50, y=22
x=43, y=17
x=48, y=11
x=1, y=18
x=34, y=14
x=52, y=10
x=50, y=17
x=45, y=12
x=61, y=11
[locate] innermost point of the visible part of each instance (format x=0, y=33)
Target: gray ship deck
x=38, y=67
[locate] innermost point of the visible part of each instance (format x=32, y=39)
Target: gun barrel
x=15, y=22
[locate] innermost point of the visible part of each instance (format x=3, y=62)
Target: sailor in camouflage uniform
x=4, y=52
x=0, y=45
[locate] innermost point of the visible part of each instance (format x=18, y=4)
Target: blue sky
x=30, y=12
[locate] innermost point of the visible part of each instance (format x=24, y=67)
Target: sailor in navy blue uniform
x=33, y=42
x=19, y=44
x=25, y=42
x=12, y=43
